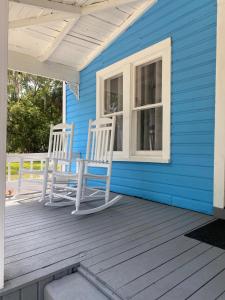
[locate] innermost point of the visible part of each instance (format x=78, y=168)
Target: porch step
x=73, y=287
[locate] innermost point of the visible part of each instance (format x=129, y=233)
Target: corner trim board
x=219, y=147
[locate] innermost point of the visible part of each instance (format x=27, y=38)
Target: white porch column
x=3, y=120
x=219, y=154
x=64, y=102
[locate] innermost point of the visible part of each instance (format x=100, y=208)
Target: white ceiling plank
x=97, y=7
x=28, y=22
x=51, y=49
x=28, y=64
x=115, y=34
x=51, y=5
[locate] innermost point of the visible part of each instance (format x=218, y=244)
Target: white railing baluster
x=9, y=171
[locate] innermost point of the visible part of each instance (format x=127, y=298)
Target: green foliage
x=34, y=103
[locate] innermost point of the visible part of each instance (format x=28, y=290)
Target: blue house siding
x=187, y=181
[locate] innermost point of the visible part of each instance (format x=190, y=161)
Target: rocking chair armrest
x=59, y=160
x=89, y=161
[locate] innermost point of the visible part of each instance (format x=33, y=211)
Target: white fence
x=30, y=158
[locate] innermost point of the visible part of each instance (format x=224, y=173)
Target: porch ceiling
x=66, y=34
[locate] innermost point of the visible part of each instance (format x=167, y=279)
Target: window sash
x=143, y=92
x=125, y=71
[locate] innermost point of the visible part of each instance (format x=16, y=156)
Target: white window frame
x=161, y=50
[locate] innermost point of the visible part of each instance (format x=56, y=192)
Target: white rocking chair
x=98, y=156
x=60, y=148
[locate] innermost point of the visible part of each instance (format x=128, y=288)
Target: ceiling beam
x=57, y=41
x=51, y=5
x=97, y=7
x=28, y=64
x=32, y=21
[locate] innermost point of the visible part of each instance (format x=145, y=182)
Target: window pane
x=148, y=83
x=149, y=129
x=118, y=143
x=113, y=94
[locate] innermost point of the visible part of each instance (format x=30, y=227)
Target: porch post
x=219, y=153
x=64, y=102
x=3, y=120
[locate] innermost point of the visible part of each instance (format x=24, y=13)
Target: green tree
x=34, y=103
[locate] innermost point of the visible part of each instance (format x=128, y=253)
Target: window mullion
x=127, y=111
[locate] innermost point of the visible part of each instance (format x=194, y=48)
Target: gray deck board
x=121, y=230
x=45, y=258
x=211, y=290
x=172, y=280
x=201, y=277
x=140, y=284
x=73, y=227
x=129, y=257
x=136, y=248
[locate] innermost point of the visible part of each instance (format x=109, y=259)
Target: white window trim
x=127, y=66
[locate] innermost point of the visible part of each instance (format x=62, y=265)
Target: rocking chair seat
x=70, y=175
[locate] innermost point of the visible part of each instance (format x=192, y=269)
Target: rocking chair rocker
x=98, y=157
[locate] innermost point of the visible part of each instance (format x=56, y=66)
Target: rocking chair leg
x=52, y=188
x=79, y=185
x=53, y=179
x=45, y=182
x=107, y=191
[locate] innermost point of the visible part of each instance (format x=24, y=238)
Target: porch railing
x=14, y=161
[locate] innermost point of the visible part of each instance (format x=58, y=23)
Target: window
x=137, y=91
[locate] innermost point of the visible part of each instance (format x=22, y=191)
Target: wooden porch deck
x=137, y=249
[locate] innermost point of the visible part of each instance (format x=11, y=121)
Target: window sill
x=149, y=159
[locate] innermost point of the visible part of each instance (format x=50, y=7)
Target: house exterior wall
x=187, y=181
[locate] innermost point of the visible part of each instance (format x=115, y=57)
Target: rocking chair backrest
x=61, y=142
x=101, y=135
